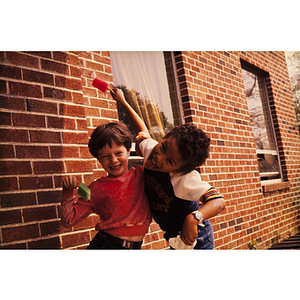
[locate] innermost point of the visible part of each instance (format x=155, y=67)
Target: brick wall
x=212, y=92
x=49, y=109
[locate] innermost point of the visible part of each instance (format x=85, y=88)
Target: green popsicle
x=84, y=191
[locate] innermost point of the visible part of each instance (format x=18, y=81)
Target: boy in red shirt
x=119, y=199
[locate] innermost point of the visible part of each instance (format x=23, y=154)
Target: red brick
x=88, y=178
x=57, y=94
x=28, y=120
x=12, y=102
x=96, y=102
x=24, y=89
x=8, y=184
x=40, y=77
x=102, y=59
x=75, y=71
x=71, y=110
x=75, y=138
x=81, y=124
x=75, y=239
x=48, y=167
x=78, y=166
x=84, y=54
x=54, y=67
x=7, y=151
x=69, y=83
x=20, y=232
x=14, y=246
x=85, y=152
x=39, y=213
x=56, y=122
x=48, y=243
x=3, y=87
x=94, y=66
x=69, y=123
x=10, y=216
x=109, y=114
x=91, y=92
x=49, y=197
x=15, y=167
x=34, y=183
x=14, y=135
x=41, y=106
x=88, y=222
x=78, y=98
x=66, y=57
x=64, y=152
x=158, y=245
x=10, y=72
x=18, y=199
x=52, y=227
x=22, y=59
x=44, y=137
x=45, y=54
x=32, y=151
x=5, y=118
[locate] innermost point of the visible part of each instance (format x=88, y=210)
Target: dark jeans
x=103, y=240
x=205, y=239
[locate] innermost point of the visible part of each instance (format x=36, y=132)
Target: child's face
x=166, y=156
x=114, y=160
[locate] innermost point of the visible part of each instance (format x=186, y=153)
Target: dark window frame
x=265, y=76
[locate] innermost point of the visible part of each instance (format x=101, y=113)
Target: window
x=262, y=124
x=149, y=84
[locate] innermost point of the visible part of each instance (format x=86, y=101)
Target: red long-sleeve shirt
x=120, y=202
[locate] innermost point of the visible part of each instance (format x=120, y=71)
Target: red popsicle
x=101, y=85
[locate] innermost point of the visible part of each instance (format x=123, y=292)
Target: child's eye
x=170, y=162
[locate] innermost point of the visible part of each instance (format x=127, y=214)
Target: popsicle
x=101, y=85
x=84, y=191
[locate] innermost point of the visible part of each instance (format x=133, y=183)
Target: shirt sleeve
x=210, y=194
x=73, y=210
x=189, y=186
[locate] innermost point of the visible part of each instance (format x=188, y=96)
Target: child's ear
x=128, y=152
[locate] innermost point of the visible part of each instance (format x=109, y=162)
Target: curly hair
x=105, y=134
x=193, y=145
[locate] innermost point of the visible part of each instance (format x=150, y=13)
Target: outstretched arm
x=136, y=122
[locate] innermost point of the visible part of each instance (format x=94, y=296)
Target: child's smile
x=166, y=157
x=114, y=160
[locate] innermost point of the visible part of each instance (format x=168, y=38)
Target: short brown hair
x=105, y=134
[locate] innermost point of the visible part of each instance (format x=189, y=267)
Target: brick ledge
x=268, y=188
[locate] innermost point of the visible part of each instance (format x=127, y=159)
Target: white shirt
x=188, y=186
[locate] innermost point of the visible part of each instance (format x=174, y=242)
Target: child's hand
x=118, y=95
x=140, y=137
x=189, y=230
x=70, y=182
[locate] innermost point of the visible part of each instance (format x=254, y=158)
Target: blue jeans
x=205, y=239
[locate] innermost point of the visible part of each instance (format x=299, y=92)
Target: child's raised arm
x=136, y=122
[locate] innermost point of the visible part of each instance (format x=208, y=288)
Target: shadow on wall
x=43, y=136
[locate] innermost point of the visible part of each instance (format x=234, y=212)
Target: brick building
x=49, y=109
